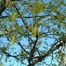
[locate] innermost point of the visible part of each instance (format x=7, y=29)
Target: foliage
x=33, y=31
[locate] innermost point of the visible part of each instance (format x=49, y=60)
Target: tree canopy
x=33, y=32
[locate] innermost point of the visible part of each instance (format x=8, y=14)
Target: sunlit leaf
x=13, y=39
x=3, y=33
x=0, y=0
x=9, y=29
x=17, y=26
x=35, y=30
x=38, y=7
x=23, y=53
x=7, y=3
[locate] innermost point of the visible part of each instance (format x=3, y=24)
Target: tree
x=33, y=32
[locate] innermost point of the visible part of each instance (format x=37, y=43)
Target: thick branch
x=32, y=51
x=53, y=48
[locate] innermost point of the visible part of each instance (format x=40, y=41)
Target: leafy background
x=32, y=32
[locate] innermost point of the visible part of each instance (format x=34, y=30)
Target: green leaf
x=62, y=2
x=17, y=26
x=7, y=3
x=0, y=0
x=13, y=39
x=55, y=9
x=54, y=30
x=13, y=17
x=35, y=30
x=37, y=8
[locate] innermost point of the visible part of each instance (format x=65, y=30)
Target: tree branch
x=7, y=54
x=54, y=47
x=32, y=51
x=2, y=7
x=22, y=47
